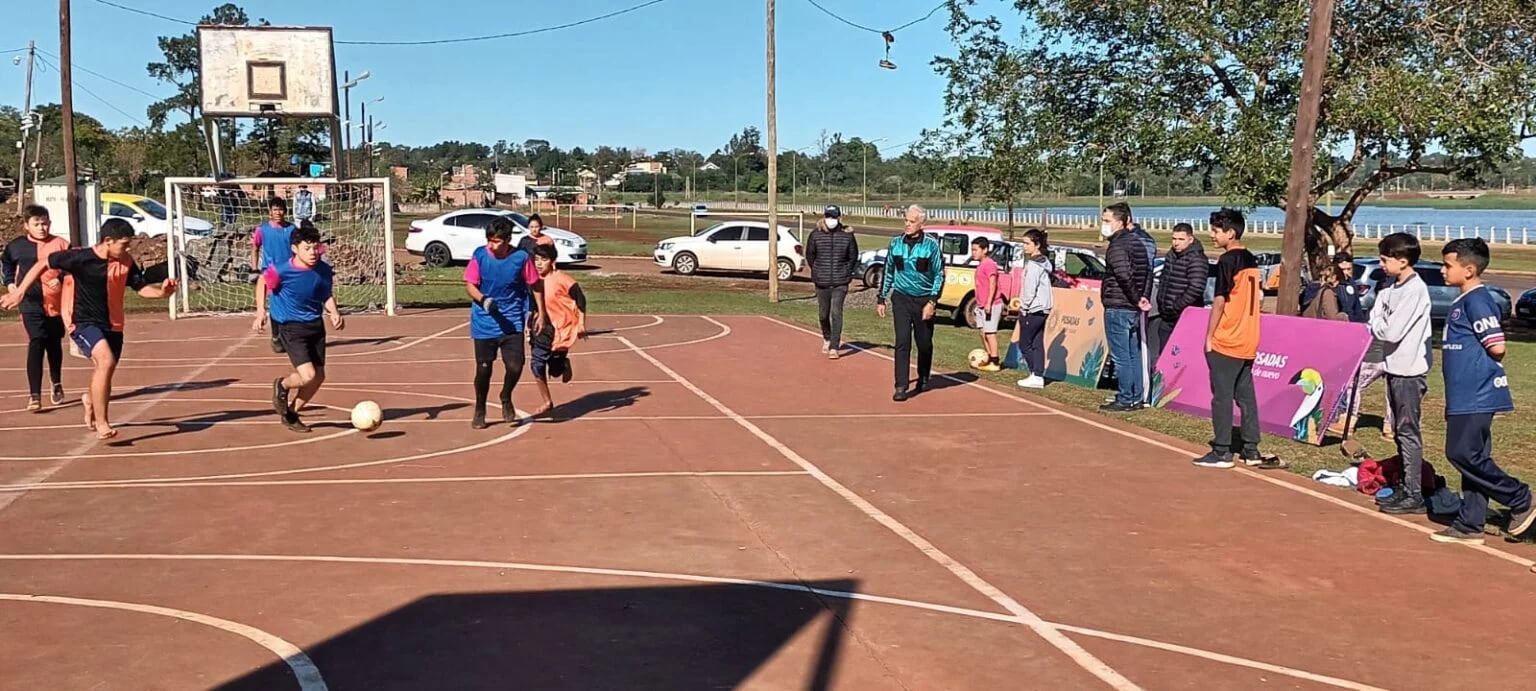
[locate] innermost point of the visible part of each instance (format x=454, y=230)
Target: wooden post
x=773, y=171
x=1298, y=199
x=21, y=144
x=67, y=113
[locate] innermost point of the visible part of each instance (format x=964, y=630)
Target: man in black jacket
x=1125, y=293
x=1185, y=270
x=833, y=254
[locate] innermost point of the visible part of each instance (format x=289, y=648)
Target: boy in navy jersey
x=499, y=280
x=301, y=296
x=270, y=245
x=1476, y=389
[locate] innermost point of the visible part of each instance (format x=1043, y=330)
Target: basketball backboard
x=267, y=71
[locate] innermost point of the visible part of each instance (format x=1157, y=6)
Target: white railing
x=1033, y=217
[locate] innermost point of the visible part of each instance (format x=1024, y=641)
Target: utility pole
x=26, y=118
x=67, y=112
x=1298, y=201
x=773, y=170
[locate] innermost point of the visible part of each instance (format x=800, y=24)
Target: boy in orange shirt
x=565, y=312
x=40, y=306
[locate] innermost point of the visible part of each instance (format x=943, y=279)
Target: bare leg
x=101, y=391
x=307, y=385
x=990, y=341
x=549, y=402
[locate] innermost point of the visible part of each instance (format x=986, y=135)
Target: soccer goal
x=212, y=255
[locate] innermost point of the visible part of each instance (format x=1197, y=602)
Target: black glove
x=488, y=304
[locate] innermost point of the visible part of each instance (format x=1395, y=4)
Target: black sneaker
x=922, y=385
x=1406, y=504
x=280, y=397
x=479, y=421
x=508, y=413
x=277, y=341
x=58, y=394
x=1213, y=459
x=1521, y=521
x=1455, y=536
x=565, y=372
x=1118, y=407
x=1398, y=491
x=899, y=396
x=292, y=421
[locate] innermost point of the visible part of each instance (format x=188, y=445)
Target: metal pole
x=773, y=169
x=1298, y=202
x=26, y=115
x=67, y=112
x=346, y=97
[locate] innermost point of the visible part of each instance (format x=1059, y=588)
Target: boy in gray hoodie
x=1400, y=322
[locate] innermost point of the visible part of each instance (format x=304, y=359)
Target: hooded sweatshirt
x=1035, y=290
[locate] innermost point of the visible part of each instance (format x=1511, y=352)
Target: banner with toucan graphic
x=1304, y=368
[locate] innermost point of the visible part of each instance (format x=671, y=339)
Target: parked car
x=454, y=236
x=7, y=189
x=731, y=246
x=1077, y=268
x=954, y=244
x=700, y=210
x=147, y=216
x=1368, y=276
x=1525, y=307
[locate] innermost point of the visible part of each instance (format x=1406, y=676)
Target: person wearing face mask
x=911, y=283
x=1185, y=271
x=1125, y=294
x=833, y=254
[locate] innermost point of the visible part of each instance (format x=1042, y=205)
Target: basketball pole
x=773, y=169
x=67, y=116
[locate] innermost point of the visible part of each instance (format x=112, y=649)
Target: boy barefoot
x=101, y=275
x=40, y=306
x=301, y=291
x=565, y=310
x=499, y=280
x=1476, y=389
x=271, y=246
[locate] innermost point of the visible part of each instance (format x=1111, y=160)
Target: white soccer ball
x=367, y=416
x=978, y=357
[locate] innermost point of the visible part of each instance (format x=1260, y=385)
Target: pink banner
x=1304, y=367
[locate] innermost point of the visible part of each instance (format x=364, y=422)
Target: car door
x=466, y=233
x=129, y=214
x=753, y=255
x=719, y=249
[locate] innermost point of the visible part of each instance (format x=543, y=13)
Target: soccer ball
x=367, y=416
x=978, y=357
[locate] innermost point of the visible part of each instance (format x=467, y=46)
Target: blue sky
x=683, y=73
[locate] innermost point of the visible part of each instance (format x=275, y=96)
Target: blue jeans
x=1123, y=330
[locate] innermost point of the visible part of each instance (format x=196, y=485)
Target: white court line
x=17, y=393
x=295, y=441
x=1292, y=486
x=42, y=474
x=1060, y=641
x=696, y=578
x=304, y=670
x=415, y=480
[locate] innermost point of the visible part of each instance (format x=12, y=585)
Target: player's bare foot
x=90, y=412
x=544, y=409
x=105, y=431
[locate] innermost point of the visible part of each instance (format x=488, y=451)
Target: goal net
x=211, y=249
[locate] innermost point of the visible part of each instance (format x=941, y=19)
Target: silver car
x=1369, y=277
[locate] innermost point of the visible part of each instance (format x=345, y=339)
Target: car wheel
x=873, y=275
x=965, y=314
x=786, y=269
x=437, y=255
x=685, y=263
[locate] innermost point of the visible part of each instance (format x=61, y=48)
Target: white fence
x=1033, y=217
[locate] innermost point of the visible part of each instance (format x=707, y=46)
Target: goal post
x=212, y=223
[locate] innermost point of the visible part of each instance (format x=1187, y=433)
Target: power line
x=96, y=96
x=870, y=29
x=87, y=70
x=440, y=41
x=13, y=50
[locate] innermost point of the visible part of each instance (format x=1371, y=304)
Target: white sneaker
x=1033, y=381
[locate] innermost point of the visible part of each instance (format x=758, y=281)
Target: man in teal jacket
x=911, y=283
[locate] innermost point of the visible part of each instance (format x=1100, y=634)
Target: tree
x=180, y=67
x=1200, y=86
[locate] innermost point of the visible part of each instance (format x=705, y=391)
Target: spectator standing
x=1185, y=272
x=1400, y=319
x=833, y=253
x=1035, y=303
x=912, y=282
x=1125, y=294
x=304, y=204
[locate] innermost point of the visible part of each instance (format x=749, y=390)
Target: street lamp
x=864, y=149
x=346, y=91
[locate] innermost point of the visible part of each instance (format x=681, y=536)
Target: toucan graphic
x=1308, y=419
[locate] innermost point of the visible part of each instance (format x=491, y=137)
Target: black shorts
x=40, y=325
x=546, y=361
x=86, y=336
x=509, y=347
x=304, y=342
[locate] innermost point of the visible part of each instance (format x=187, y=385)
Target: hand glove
x=488, y=304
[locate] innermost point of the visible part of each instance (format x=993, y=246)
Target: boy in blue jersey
x=499, y=281
x=1476, y=389
x=270, y=244
x=301, y=298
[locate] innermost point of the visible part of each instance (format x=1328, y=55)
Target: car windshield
x=153, y=207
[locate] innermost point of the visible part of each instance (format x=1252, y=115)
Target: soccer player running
x=498, y=280
x=566, y=322
x=271, y=246
x=302, y=294
x=101, y=275
x=40, y=314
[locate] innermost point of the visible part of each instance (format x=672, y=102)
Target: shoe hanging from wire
x=889, y=39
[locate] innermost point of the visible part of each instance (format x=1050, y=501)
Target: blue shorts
x=86, y=336
x=546, y=362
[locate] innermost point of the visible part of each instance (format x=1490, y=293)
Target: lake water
x=1367, y=215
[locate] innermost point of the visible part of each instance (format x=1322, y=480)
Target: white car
x=147, y=216
x=731, y=246
x=454, y=236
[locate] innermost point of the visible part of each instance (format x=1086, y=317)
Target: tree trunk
x=1010, y=218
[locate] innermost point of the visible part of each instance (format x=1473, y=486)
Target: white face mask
x=1106, y=230
x=831, y=224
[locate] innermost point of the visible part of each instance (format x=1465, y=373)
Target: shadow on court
x=161, y=389
x=172, y=428
x=673, y=638
x=599, y=402
x=380, y=340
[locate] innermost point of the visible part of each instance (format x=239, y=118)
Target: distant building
x=646, y=168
